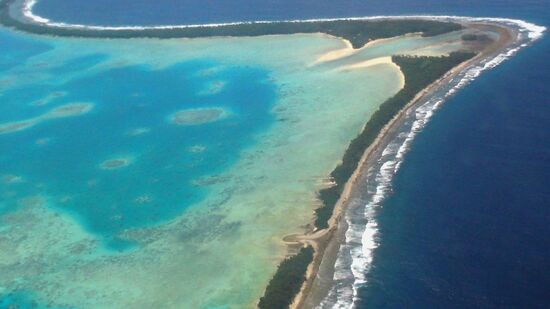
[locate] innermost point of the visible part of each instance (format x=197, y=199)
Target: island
x=303, y=277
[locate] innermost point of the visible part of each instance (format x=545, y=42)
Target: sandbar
x=326, y=242
x=373, y=62
x=349, y=50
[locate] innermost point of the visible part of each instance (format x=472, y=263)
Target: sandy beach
x=373, y=62
x=326, y=242
x=349, y=50
x=328, y=91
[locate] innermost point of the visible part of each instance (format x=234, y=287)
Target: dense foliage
x=288, y=280
x=419, y=72
x=358, y=32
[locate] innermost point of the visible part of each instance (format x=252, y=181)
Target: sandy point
x=367, y=63
x=332, y=55
x=348, y=50
x=374, y=62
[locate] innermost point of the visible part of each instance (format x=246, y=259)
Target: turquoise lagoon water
x=490, y=140
x=131, y=105
x=129, y=120
x=164, y=173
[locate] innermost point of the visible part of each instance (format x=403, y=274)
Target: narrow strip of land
x=326, y=241
x=421, y=77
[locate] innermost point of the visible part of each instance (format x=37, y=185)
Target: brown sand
x=349, y=50
x=374, y=62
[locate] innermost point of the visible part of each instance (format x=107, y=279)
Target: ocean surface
x=465, y=224
x=150, y=173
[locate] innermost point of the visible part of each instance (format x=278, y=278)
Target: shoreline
x=386, y=60
x=29, y=18
x=27, y=10
x=326, y=236
x=349, y=50
x=328, y=241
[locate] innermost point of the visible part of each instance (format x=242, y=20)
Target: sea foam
x=533, y=31
x=361, y=239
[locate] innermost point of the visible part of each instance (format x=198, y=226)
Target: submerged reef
x=63, y=111
x=138, y=131
x=419, y=72
x=197, y=116
x=10, y=179
x=49, y=98
x=213, y=88
x=69, y=110
x=358, y=32
x=116, y=163
x=15, y=126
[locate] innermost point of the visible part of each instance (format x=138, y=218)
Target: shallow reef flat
x=116, y=163
x=15, y=126
x=195, y=117
x=69, y=110
x=204, y=204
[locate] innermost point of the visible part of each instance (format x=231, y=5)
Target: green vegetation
x=288, y=280
x=419, y=72
x=358, y=32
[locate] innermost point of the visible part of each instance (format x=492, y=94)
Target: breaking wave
x=533, y=31
x=361, y=238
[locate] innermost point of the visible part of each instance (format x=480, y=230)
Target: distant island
x=297, y=283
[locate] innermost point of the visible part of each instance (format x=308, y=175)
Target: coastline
x=326, y=241
x=27, y=6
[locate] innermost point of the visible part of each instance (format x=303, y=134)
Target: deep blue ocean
x=468, y=225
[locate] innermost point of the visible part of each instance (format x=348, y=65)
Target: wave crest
x=361, y=238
